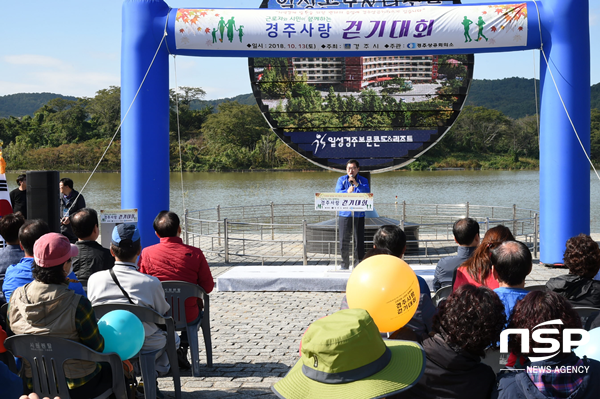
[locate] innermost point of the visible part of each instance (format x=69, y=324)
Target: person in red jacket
x=171, y=259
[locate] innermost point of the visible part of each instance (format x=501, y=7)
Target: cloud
x=41, y=73
x=593, y=18
x=35, y=60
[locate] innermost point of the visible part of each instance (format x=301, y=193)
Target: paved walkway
x=256, y=337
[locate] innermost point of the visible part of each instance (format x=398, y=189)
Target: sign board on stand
x=359, y=202
x=109, y=218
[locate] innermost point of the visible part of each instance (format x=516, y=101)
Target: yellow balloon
x=387, y=288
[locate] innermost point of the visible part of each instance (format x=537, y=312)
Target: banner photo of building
x=385, y=110
x=346, y=29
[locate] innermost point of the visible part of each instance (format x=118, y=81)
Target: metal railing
x=282, y=232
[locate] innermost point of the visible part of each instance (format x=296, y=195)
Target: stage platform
x=295, y=278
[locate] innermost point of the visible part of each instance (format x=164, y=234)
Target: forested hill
x=246, y=99
x=514, y=97
x=21, y=104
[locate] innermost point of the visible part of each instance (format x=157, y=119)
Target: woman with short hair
x=548, y=378
x=467, y=322
x=47, y=306
x=582, y=257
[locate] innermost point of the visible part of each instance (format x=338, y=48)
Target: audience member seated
x=393, y=239
x=582, y=257
x=171, y=259
x=468, y=322
x=511, y=264
x=125, y=284
x=477, y=270
x=466, y=235
x=20, y=274
x=343, y=356
x=12, y=252
x=548, y=378
x=47, y=306
x=92, y=257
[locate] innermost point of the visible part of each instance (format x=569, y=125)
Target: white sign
x=110, y=218
x=397, y=28
x=359, y=202
x=553, y=350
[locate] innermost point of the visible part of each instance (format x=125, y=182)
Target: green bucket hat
x=343, y=356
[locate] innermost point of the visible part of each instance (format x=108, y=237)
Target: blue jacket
x=519, y=385
x=510, y=297
x=9, y=255
x=12, y=385
x=446, y=266
x=20, y=274
x=343, y=185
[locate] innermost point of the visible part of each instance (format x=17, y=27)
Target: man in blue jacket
x=348, y=225
x=20, y=274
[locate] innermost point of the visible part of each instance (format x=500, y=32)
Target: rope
x=560, y=95
x=178, y=131
x=122, y=120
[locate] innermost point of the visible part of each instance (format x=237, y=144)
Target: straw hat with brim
x=343, y=356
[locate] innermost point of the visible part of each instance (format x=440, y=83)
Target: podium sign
x=360, y=202
x=111, y=218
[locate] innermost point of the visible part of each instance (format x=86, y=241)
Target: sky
x=72, y=47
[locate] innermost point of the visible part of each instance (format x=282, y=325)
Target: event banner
x=353, y=29
x=359, y=202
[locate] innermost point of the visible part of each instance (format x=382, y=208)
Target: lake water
x=207, y=190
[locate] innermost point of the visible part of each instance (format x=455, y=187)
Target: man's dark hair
x=127, y=253
x=30, y=232
x=582, y=256
x=471, y=319
x=84, y=221
x=392, y=238
x=354, y=161
x=166, y=224
x=49, y=275
x=10, y=225
x=465, y=230
x=20, y=178
x=512, y=262
x=67, y=182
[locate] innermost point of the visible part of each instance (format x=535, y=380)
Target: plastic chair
x=587, y=315
x=536, y=288
x=46, y=356
x=441, y=295
x=146, y=360
x=176, y=292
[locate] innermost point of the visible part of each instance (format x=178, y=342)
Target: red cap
x=53, y=249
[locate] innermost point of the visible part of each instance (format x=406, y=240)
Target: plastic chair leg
x=146, y=361
x=172, y=354
x=207, y=340
x=192, y=332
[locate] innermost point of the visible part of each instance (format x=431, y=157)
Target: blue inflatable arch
x=559, y=27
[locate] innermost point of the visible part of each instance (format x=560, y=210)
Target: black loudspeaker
x=43, y=197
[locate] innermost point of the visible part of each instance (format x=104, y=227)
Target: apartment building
x=357, y=73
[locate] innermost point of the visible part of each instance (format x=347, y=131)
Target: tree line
x=72, y=135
